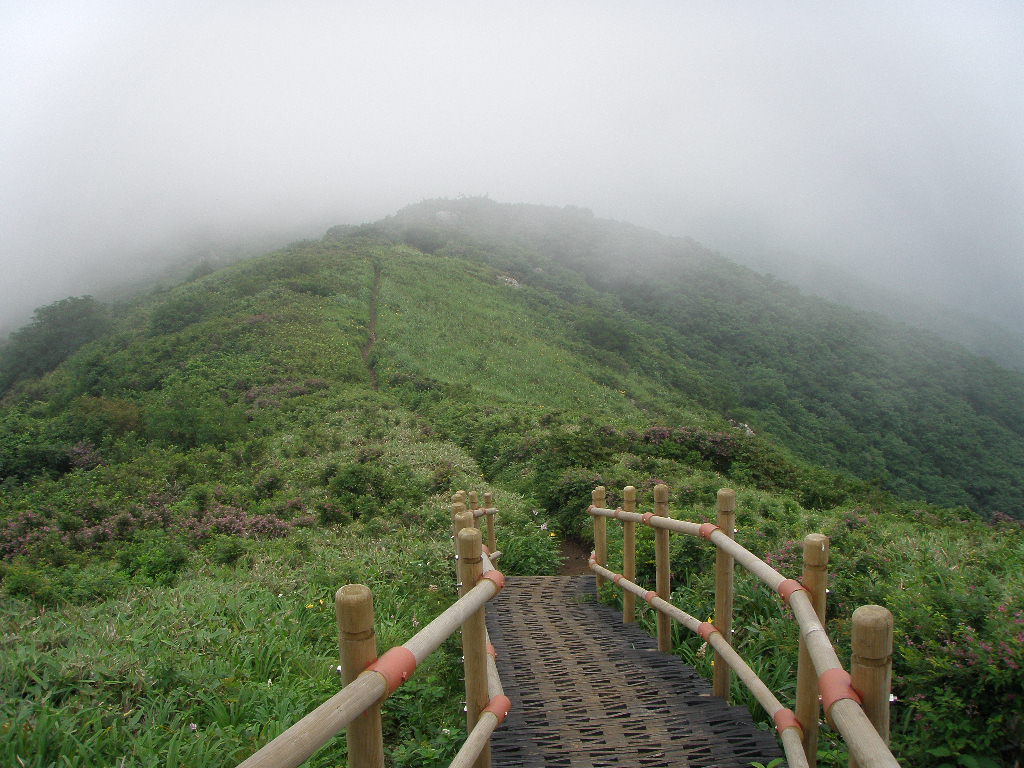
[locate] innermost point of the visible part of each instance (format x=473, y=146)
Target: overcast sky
x=877, y=135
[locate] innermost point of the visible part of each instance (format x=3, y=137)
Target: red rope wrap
x=497, y=577
x=617, y=578
x=485, y=550
x=788, y=587
x=707, y=529
x=395, y=666
x=500, y=706
x=649, y=597
x=834, y=685
x=591, y=508
x=646, y=517
x=491, y=652
x=784, y=719
x=705, y=630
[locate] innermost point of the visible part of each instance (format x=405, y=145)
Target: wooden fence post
x=457, y=509
x=474, y=637
x=815, y=581
x=353, y=605
x=663, y=568
x=724, y=589
x=628, y=554
x=871, y=665
x=463, y=519
x=598, y=497
x=474, y=505
x=492, y=543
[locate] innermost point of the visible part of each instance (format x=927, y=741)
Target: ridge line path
x=588, y=690
x=371, y=328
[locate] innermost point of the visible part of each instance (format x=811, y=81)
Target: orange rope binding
x=707, y=529
x=395, y=666
x=784, y=719
x=705, y=630
x=834, y=685
x=497, y=577
x=499, y=706
x=788, y=587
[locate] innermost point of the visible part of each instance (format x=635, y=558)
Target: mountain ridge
x=221, y=448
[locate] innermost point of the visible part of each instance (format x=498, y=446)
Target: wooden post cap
x=463, y=520
x=871, y=634
x=488, y=500
x=598, y=496
x=726, y=500
x=354, y=603
x=816, y=550
x=474, y=499
x=470, y=544
x=629, y=494
x=661, y=493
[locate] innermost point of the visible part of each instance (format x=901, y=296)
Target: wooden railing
x=369, y=680
x=857, y=705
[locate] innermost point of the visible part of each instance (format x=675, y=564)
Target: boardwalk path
x=589, y=691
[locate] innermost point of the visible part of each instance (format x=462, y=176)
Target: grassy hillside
x=901, y=408
x=191, y=481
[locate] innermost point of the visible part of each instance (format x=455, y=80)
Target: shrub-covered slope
x=850, y=390
x=192, y=483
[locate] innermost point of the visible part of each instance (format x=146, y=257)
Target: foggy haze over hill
x=881, y=139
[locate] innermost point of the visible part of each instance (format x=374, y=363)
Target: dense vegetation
x=194, y=482
x=853, y=391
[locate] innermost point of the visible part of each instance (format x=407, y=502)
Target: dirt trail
x=576, y=556
x=371, y=336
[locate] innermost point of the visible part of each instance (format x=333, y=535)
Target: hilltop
x=239, y=445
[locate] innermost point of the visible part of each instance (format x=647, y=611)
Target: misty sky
x=876, y=135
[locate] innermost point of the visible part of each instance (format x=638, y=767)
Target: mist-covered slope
x=961, y=325
x=851, y=390
x=286, y=424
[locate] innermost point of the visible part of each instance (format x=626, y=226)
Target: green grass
x=178, y=496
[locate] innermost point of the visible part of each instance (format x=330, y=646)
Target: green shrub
x=22, y=580
x=226, y=550
x=154, y=556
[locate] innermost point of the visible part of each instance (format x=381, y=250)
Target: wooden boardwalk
x=589, y=691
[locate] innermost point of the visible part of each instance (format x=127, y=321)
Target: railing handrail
x=840, y=701
x=789, y=729
x=382, y=677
